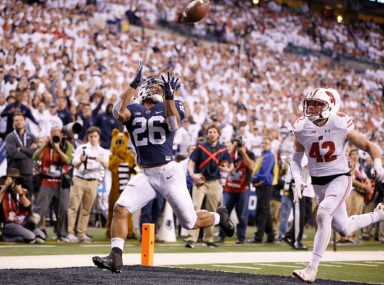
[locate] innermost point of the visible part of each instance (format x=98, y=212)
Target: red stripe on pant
x=344, y=197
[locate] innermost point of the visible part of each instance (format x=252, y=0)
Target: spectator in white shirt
x=54, y=119
x=184, y=137
x=87, y=162
x=41, y=115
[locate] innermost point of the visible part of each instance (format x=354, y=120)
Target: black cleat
x=112, y=262
x=225, y=222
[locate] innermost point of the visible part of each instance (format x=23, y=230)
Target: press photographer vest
x=236, y=179
x=10, y=205
x=51, y=161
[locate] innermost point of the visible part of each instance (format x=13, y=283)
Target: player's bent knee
x=323, y=216
x=119, y=211
x=188, y=225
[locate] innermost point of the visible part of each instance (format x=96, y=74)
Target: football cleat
x=307, y=274
x=190, y=244
x=225, y=222
x=112, y=262
x=380, y=209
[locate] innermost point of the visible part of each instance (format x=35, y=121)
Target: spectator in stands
x=62, y=111
x=89, y=117
x=20, y=147
x=87, y=162
x=55, y=158
x=237, y=185
x=184, y=137
x=18, y=107
x=205, y=172
x=264, y=177
x=106, y=122
x=15, y=207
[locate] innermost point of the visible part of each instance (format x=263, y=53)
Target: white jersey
x=325, y=146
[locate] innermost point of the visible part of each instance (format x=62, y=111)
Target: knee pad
x=323, y=216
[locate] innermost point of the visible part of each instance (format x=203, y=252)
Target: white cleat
x=307, y=274
x=380, y=209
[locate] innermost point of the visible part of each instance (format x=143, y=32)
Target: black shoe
x=225, y=222
x=220, y=240
x=190, y=244
x=210, y=244
x=240, y=241
x=254, y=241
x=300, y=247
x=287, y=240
x=270, y=241
x=112, y=262
x=366, y=238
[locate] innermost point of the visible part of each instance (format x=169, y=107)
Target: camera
x=71, y=129
x=56, y=139
x=239, y=140
x=17, y=181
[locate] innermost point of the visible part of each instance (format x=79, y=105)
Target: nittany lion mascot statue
x=121, y=164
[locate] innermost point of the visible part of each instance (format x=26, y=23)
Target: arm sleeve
x=69, y=153
x=35, y=157
x=30, y=116
x=98, y=107
x=11, y=148
x=105, y=156
x=6, y=111
x=195, y=155
x=295, y=163
x=76, y=157
x=265, y=170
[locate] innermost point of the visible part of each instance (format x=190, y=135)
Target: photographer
x=236, y=186
x=87, y=164
x=55, y=155
x=14, y=210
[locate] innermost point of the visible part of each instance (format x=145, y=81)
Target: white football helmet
x=323, y=102
x=152, y=88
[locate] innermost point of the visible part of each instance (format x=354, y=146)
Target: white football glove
x=299, y=186
x=378, y=170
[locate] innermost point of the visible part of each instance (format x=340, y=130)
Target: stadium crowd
x=56, y=67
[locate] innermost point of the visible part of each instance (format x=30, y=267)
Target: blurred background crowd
x=67, y=61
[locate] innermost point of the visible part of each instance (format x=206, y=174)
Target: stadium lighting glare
x=339, y=19
x=255, y=1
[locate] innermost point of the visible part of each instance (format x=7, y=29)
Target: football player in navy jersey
x=152, y=125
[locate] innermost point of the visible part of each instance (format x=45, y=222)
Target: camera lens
x=56, y=139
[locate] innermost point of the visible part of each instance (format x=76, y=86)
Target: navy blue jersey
x=150, y=134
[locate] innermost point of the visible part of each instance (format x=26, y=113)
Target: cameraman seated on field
x=18, y=225
x=55, y=155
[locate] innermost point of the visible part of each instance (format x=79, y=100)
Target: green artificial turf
x=363, y=271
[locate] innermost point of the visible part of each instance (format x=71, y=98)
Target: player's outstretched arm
x=120, y=111
x=296, y=169
x=171, y=112
x=364, y=144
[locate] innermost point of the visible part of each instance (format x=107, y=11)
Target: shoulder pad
x=342, y=121
x=298, y=125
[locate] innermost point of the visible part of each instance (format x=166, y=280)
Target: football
x=224, y=163
x=195, y=11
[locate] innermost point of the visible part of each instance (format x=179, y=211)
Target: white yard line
x=357, y=264
x=278, y=265
x=233, y=266
x=163, y=259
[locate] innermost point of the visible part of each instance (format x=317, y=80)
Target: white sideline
x=162, y=259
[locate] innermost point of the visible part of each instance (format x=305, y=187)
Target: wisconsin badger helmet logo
x=152, y=88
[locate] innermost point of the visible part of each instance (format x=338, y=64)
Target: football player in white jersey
x=152, y=125
x=322, y=135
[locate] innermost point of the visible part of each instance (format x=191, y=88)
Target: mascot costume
x=121, y=164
